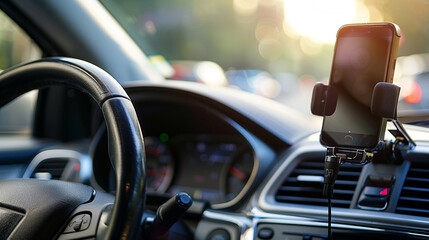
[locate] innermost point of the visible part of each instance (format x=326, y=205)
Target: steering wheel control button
x=86, y=220
x=219, y=234
x=266, y=233
x=79, y=223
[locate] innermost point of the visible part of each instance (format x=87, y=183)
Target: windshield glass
x=275, y=48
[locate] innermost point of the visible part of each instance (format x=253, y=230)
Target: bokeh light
x=412, y=65
x=266, y=29
x=150, y=27
x=161, y=65
x=266, y=86
x=309, y=46
x=269, y=48
x=415, y=94
x=320, y=20
x=210, y=73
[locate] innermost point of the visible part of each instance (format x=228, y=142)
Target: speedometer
x=238, y=173
x=160, y=165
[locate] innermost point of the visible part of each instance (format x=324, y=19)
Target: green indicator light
x=163, y=137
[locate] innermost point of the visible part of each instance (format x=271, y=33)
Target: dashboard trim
x=264, y=217
x=84, y=160
x=244, y=224
x=248, y=223
x=258, y=149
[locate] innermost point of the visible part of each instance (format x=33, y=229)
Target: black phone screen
x=361, y=60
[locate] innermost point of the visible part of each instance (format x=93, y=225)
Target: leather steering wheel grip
x=126, y=147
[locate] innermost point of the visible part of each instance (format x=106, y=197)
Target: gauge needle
x=238, y=173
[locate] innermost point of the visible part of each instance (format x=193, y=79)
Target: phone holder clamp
x=384, y=105
x=394, y=151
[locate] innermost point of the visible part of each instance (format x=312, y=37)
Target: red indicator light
x=76, y=167
x=383, y=192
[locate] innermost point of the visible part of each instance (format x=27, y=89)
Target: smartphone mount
x=383, y=104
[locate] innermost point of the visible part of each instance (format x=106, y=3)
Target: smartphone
x=364, y=55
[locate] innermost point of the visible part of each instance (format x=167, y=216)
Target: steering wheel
x=40, y=209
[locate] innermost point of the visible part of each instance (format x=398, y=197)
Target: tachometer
x=238, y=174
x=159, y=164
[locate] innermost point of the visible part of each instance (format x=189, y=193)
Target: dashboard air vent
x=50, y=169
x=414, y=199
x=304, y=185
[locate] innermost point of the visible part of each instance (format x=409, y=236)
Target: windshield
x=275, y=48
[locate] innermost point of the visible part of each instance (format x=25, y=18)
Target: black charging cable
x=329, y=217
x=332, y=166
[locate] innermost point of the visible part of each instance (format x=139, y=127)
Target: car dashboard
x=254, y=170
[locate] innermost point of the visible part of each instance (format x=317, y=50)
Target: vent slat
x=313, y=201
x=313, y=189
x=414, y=198
x=417, y=189
x=299, y=189
x=337, y=182
x=344, y=173
x=310, y=192
x=53, y=166
x=412, y=209
x=345, y=182
x=341, y=191
x=308, y=172
x=417, y=179
x=419, y=170
x=312, y=164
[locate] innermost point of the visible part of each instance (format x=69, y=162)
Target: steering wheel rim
x=126, y=147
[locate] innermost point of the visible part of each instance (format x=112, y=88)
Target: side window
x=16, y=47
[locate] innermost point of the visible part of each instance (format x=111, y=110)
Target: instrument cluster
x=208, y=167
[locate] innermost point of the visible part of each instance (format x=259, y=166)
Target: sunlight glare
x=320, y=20
x=210, y=73
x=245, y=7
